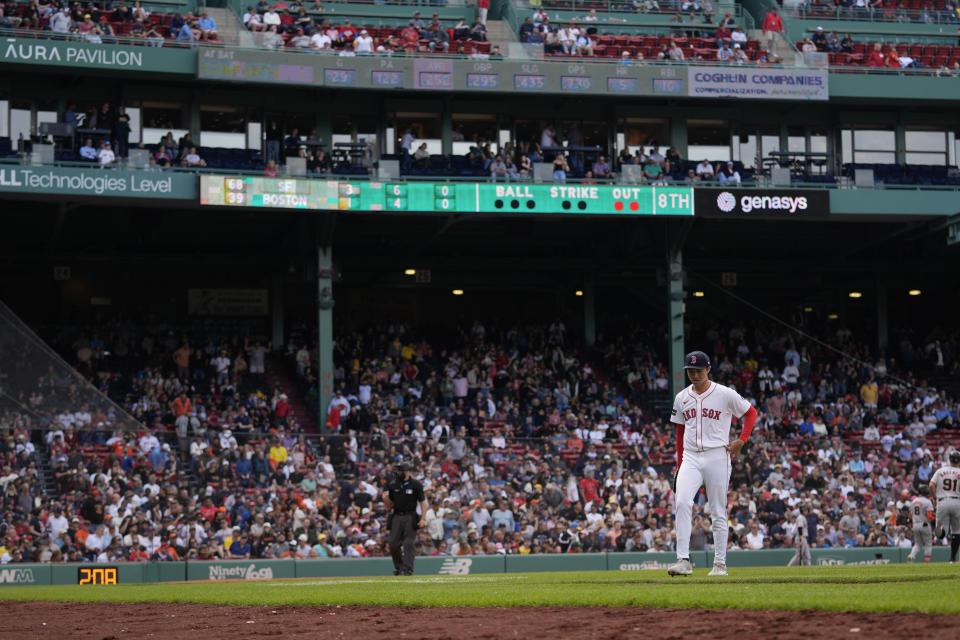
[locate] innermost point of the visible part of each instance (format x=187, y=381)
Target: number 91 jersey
x=706, y=416
x=947, y=481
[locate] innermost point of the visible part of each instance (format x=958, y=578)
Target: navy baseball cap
x=696, y=360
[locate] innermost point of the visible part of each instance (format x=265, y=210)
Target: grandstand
x=255, y=254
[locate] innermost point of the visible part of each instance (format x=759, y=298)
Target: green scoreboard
x=459, y=197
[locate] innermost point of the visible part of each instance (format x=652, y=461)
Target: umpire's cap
x=403, y=465
x=955, y=457
x=696, y=360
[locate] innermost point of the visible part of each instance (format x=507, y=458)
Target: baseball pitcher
x=702, y=413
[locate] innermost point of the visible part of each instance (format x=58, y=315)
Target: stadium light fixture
x=855, y=294
x=698, y=294
x=832, y=316
x=409, y=272
x=458, y=292
x=808, y=309
x=578, y=293
x=914, y=292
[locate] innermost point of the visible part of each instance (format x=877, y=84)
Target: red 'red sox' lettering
x=713, y=414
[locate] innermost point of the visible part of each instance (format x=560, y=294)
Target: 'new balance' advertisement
x=761, y=203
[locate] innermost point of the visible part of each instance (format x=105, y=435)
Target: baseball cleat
x=718, y=570
x=681, y=568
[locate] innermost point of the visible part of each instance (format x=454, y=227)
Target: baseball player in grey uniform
x=801, y=540
x=945, y=485
x=920, y=510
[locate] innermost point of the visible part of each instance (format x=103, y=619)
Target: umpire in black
x=403, y=495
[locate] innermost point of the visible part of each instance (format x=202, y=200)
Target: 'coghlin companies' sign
x=97, y=56
x=98, y=182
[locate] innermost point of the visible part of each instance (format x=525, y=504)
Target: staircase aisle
x=279, y=376
x=228, y=25
x=41, y=455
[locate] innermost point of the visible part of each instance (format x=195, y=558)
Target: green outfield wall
x=137, y=573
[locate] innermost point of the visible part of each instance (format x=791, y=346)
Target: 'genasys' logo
x=727, y=202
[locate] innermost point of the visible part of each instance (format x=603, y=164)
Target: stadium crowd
x=524, y=443
x=105, y=22
x=298, y=26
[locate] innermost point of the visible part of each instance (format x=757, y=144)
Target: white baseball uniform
x=922, y=536
x=947, y=481
x=706, y=419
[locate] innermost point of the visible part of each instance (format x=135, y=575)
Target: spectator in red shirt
x=893, y=59
x=723, y=35
x=588, y=488
x=411, y=371
x=281, y=411
x=270, y=171
x=409, y=35
x=482, y=7
x=139, y=554
x=772, y=25
x=208, y=511
x=333, y=418
x=449, y=468
x=772, y=21
x=876, y=57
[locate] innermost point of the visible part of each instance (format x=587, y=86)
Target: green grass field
x=923, y=588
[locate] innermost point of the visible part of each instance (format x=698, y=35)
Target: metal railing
x=167, y=43
x=760, y=181
x=601, y=7
x=612, y=12
x=885, y=15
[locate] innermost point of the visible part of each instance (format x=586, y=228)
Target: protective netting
x=39, y=390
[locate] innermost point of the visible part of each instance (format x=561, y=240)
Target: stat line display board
x=420, y=197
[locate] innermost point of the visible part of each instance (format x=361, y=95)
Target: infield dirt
x=161, y=620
